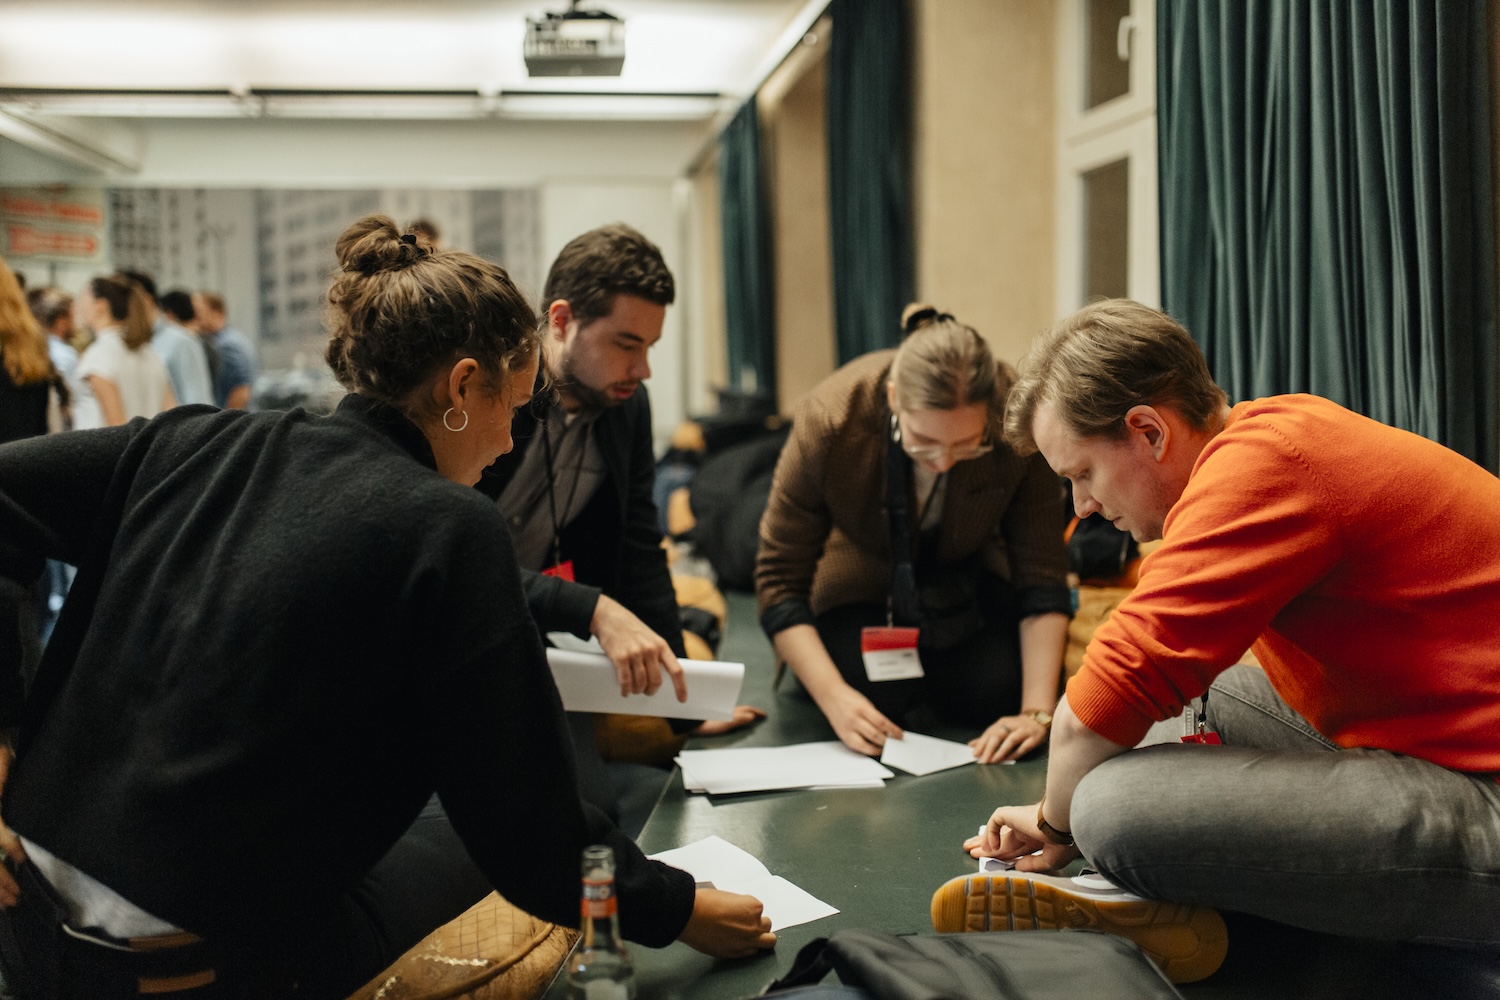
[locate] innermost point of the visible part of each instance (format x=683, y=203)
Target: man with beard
x=576, y=489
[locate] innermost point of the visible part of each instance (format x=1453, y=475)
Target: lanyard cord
x=552, y=487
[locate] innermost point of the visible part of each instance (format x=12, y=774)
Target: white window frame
x=1123, y=128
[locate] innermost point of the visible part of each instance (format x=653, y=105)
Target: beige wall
x=793, y=106
x=983, y=164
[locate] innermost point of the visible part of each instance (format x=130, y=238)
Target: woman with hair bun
x=898, y=506
x=119, y=377
x=288, y=632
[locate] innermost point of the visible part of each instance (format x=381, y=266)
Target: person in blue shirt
x=238, y=366
x=179, y=349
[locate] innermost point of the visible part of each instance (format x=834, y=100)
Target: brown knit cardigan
x=825, y=536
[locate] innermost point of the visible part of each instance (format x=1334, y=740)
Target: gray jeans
x=1281, y=823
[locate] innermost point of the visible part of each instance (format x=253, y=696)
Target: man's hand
x=743, y=716
x=1008, y=738
x=727, y=925
x=1012, y=835
x=857, y=722
x=639, y=654
x=10, y=892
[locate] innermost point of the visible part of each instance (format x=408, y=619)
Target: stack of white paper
x=757, y=769
x=588, y=683
x=718, y=864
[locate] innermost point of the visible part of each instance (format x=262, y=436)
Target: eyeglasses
x=937, y=452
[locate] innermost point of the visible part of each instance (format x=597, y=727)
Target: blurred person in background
x=29, y=388
x=53, y=310
x=237, y=363
x=177, y=306
x=181, y=351
x=119, y=376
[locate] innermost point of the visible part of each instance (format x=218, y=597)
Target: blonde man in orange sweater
x=1362, y=565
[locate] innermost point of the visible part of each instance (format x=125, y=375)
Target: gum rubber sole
x=1186, y=942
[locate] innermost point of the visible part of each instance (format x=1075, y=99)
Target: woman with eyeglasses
x=909, y=556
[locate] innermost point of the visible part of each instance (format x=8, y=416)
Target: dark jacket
x=285, y=634
x=615, y=543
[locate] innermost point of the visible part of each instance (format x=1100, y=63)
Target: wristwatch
x=1050, y=833
x=1040, y=715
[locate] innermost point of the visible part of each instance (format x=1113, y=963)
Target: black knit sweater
x=286, y=632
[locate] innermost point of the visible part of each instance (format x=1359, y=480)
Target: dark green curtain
x=869, y=187
x=749, y=292
x=1326, y=204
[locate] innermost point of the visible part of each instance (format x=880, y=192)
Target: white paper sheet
x=755, y=769
x=719, y=864
x=919, y=754
x=588, y=683
x=573, y=644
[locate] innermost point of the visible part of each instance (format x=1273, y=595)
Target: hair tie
x=925, y=316
x=410, y=239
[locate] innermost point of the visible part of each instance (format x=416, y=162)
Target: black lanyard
x=557, y=527
x=904, y=607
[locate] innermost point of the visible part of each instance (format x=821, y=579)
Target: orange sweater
x=1362, y=562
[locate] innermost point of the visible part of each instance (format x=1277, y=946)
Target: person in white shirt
x=119, y=377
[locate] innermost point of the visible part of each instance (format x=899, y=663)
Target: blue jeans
x=1282, y=823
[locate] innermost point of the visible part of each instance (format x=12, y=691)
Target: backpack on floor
x=1036, y=965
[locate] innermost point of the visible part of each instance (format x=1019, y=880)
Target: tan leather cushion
x=1095, y=604
x=493, y=951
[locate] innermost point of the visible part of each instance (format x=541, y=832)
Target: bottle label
x=598, y=898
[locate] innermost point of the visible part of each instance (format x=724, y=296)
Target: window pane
x=1107, y=75
x=1106, y=231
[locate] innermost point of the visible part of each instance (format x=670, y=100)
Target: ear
x=453, y=389
x=890, y=395
x=1149, y=425
x=559, y=316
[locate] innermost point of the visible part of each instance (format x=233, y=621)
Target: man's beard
x=588, y=397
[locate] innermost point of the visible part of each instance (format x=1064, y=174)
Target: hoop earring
x=450, y=426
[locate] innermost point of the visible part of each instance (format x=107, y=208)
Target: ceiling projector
x=575, y=43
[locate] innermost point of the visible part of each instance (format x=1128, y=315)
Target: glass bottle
x=600, y=967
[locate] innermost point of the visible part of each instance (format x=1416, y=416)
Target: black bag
x=1036, y=965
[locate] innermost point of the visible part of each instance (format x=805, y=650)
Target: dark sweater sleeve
x=51, y=491
x=560, y=605
x=645, y=584
x=504, y=766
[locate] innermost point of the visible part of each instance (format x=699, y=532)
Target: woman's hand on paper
x=1009, y=738
x=639, y=654
x=1012, y=835
x=857, y=721
x=727, y=925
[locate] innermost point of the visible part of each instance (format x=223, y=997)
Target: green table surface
x=878, y=855
x=875, y=854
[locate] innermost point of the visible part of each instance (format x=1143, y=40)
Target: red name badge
x=890, y=654
x=563, y=571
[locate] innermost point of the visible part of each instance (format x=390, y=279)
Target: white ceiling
x=709, y=53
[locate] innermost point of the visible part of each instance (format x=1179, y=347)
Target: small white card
x=892, y=664
x=918, y=754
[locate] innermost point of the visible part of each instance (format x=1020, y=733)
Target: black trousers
x=972, y=683
x=425, y=880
